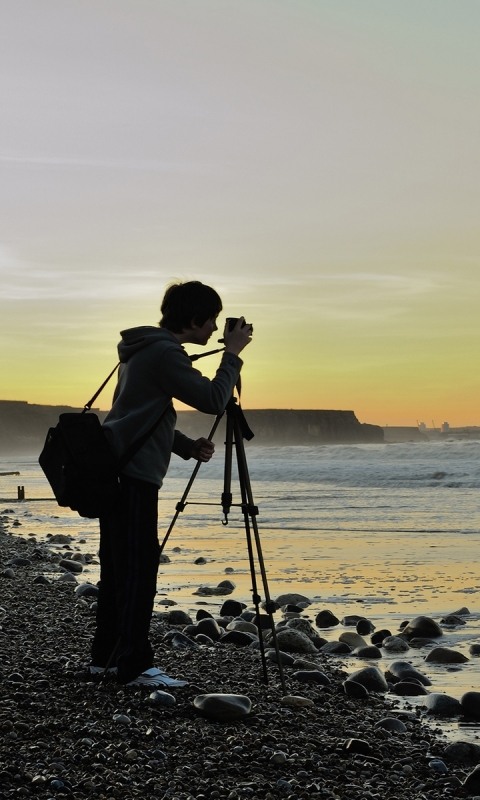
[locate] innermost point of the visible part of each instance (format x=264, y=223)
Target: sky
x=315, y=160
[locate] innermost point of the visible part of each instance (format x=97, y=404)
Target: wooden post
x=21, y=492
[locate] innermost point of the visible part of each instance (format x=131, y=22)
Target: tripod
x=236, y=431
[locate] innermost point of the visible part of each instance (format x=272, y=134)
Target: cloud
x=101, y=163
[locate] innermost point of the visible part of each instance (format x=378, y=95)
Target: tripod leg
x=250, y=511
x=182, y=503
x=227, y=474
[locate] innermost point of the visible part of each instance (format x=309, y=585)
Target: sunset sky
x=317, y=161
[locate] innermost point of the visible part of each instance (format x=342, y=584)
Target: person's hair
x=187, y=302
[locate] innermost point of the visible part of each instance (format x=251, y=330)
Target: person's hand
x=202, y=449
x=237, y=339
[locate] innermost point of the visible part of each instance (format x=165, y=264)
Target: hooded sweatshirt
x=154, y=369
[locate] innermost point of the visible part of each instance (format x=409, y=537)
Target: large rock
x=369, y=651
x=242, y=625
x=472, y=782
x=409, y=688
x=239, y=638
x=178, y=617
x=336, y=648
x=208, y=627
x=379, y=636
x=402, y=670
x=223, y=707
x=395, y=644
x=232, y=608
x=311, y=676
x=70, y=565
x=87, y=590
x=353, y=639
x=442, y=705
x=462, y=753
x=470, y=703
x=371, y=678
x=354, y=689
x=422, y=628
x=443, y=655
x=364, y=627
x=304, y=626
x=293, y=641
x=326, y=619
x=292, y=599
x=391, y=724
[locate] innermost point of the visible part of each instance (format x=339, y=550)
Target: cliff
x=24, y=426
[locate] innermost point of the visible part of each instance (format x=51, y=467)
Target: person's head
x=189, y=303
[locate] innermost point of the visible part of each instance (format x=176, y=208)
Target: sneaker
x=156, y=677
x=91, y=670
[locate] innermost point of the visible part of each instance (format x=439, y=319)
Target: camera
x=231, y=322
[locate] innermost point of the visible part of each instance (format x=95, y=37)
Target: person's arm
x=181, y=380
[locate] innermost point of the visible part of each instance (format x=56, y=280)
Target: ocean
x=389, y=531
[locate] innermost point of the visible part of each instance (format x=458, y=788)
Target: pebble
x=223, y=707
x=311, y=676
x=352, y=639
x=368, y=651
x=364, y=627
x=326, y=619
x=378, y=637
x=438, y=766
x=200, y=560
x=470, y=703
x=443, y=655
x=423, y=627
x=70, y=565
x=21, y=562
x=296, y=701
x=285, y=658
x=295, y=641
x=395, y=644
x=371, y=678
x=354, y=689
x=67, y=577
x=178, y=617
x=41, y=579
x=87, y=590
x=292, y=598
x=122, y=719
x=391, y=724
x=239, y=638
x=442, y=705
x=160, y=698
x=8, y=573
x=231, y=608
x=336, y=648
x=278, y=757
x=400, y=670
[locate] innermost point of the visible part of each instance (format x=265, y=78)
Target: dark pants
x=129, y=554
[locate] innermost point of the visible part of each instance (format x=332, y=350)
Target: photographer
x=154, y=369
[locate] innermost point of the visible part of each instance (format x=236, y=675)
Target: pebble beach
x=65, y=734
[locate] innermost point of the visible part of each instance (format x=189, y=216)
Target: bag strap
x=138, y=443
x=90, y=403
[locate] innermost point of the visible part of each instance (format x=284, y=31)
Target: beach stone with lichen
x=293, y=641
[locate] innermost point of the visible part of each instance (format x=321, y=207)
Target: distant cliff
x=24, y=426
x=278, y=426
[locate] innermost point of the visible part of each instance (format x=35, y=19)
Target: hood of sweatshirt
x=135, y=339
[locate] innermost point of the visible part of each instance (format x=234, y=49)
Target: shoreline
x=57, y=728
